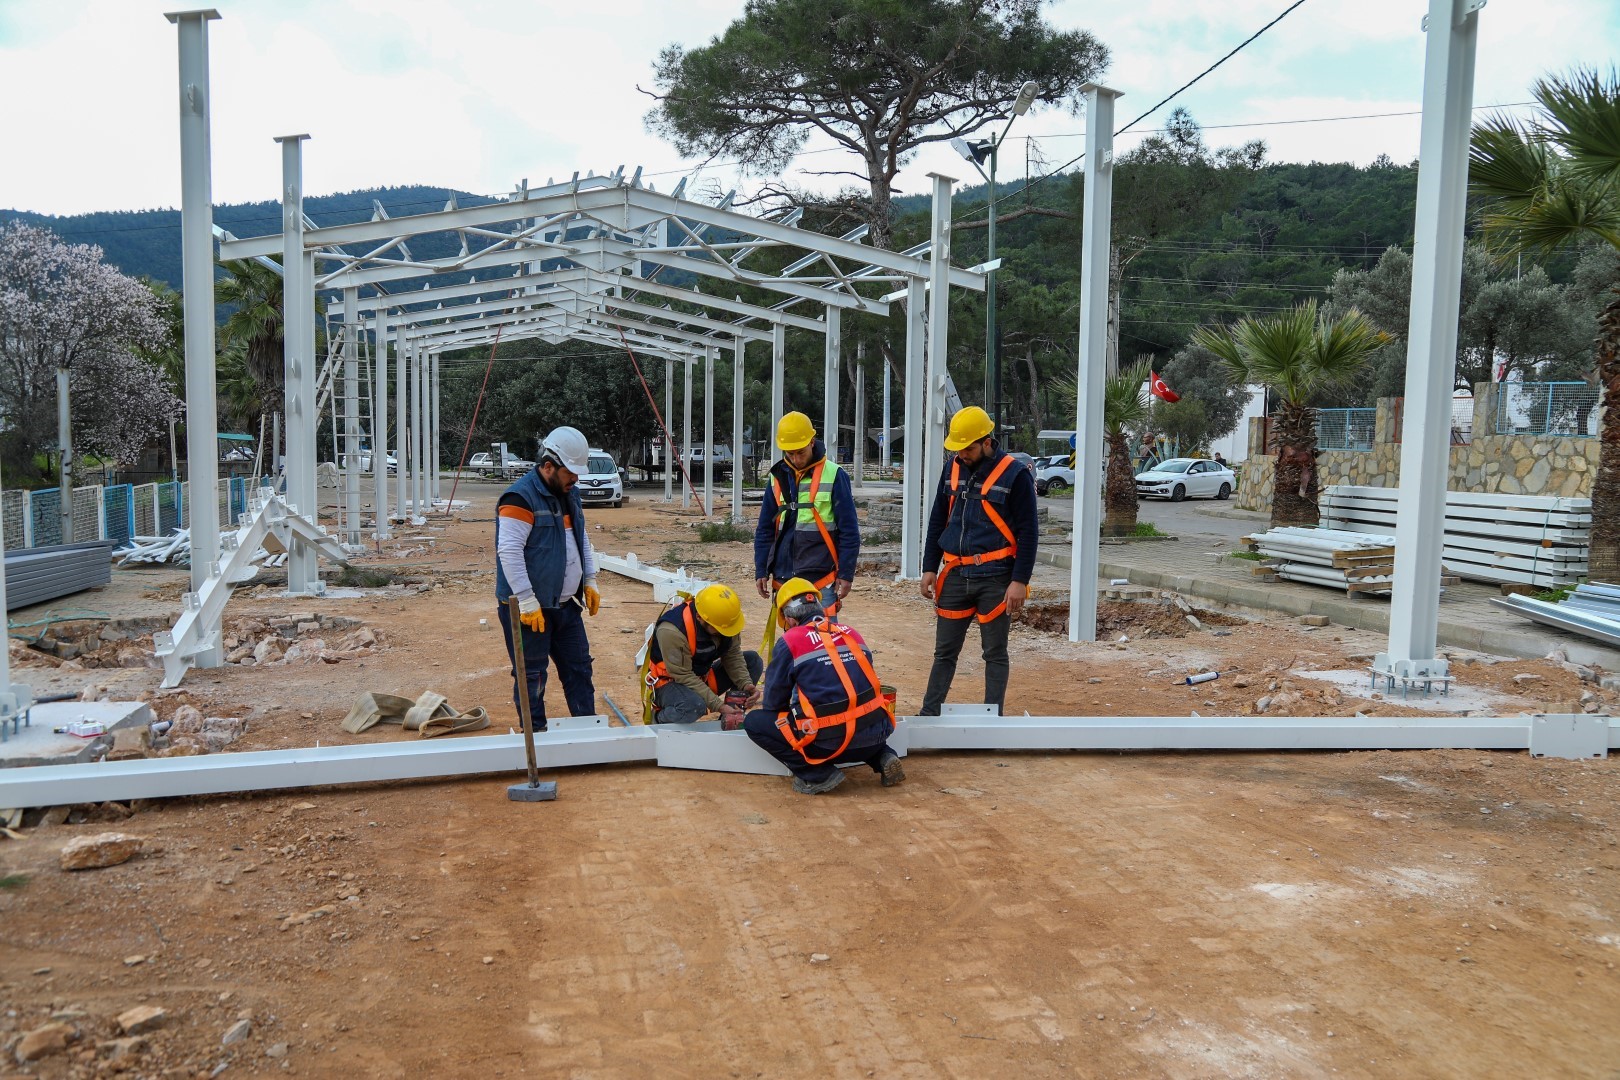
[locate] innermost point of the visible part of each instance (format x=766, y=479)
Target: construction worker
x=696, y=659
x=978, y=555
x=807, y=524
x=543, y=557
x=823, y=703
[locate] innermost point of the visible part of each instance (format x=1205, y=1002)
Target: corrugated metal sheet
x=40, y=574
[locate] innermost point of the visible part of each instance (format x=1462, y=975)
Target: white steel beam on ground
x=1431, y=360
x=913, y=520
x=1097, y=216
x=686, y=431
x=379, y=426
x=739, y=350
x=350, y=465
x=434, y=492
x=298, y=349
x=197, y=281
x=268, y=770
x=829, y=382
x=666, y=584
x=710, y=355
x=705, y=747
x=778, y=379
x=939, y=312
x=668, y=432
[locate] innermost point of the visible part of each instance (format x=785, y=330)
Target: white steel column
x=418, y=435
x=351, y=416
x=197, y=285
x=1097, y=227
x=13, y=698
x=710, y=355
x=1431, y=351
x=912, y=519
x=857, y=455
x=64, y=436
x=886, y=454
x=686, y=428
x=778, y=379
x=405, y=455
x=739, y=347
x=829, y=382
x=939, y=312
x=669, y=436
x=379, y=425
x=298, y=350
x=433, y=429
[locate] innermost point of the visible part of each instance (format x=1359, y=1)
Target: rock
x=1525, y=677
x=1241, y=682
x=819, y=958
x=42, y=1042
x=313, y=627
x=133, y=961
x=140, y=1019
x=103, y=849
x=364, y=638
x=1314, y=620
x=308, y=916
x=236, y=1032
x=188, y=720
x=1262, y=705
x=305, y=651
x=1193, y=621
x=276, y=1050
x=1094, y=681
x=238, y=654
x=267, y=651
x=118, y=1049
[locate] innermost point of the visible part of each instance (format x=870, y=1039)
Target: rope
x=474, y=425
x=669, y=441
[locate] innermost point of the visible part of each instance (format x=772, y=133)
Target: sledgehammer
x=534, y=790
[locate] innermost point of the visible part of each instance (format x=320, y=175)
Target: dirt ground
x=1448, y=913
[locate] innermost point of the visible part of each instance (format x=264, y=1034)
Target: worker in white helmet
x=544, y=558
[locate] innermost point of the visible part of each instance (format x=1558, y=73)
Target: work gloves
x=592, y=599
x=530, y=615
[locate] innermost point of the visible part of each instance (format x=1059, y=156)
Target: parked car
x=1181, y=478
x=516, y=467
x=1056, y=477
x=1022, y=459
x=604, y=482
x=481, y=463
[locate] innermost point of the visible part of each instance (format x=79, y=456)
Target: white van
x=603, y=483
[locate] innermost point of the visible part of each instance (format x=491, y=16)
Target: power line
x=1231, y=284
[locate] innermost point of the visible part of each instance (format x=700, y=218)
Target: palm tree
x=1554, y=182
x=1125, y=408
x=1297, y=355
x=255, y=326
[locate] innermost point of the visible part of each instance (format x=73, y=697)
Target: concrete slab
x=1461, y=701
x=38, y=744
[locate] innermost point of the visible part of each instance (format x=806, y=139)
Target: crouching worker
x=823, y=704
x=696, y=662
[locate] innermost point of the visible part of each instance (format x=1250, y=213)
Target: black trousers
x=562, y=642
x=761, y=727
x=679, y=704
x=982, y=594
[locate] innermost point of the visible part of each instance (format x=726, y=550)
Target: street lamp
x=976, y=153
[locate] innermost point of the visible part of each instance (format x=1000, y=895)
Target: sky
x=481, y=94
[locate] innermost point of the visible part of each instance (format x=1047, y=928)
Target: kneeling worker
x=823, y=704
x=696, y=656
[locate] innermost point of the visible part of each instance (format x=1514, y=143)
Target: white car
x=1055, y=477
x=603, y=483
x=1182, y=478
x=481, y=463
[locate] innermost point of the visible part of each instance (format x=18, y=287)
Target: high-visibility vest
x=978, y=532
x=812, y=514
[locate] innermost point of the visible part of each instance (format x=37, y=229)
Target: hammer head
x=545, y=791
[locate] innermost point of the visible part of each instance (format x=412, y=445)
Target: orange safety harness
x=821, y=526
x=658, y=671
x=947, y=560
x=809, y=724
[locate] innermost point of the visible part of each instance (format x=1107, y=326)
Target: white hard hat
x=568, y=446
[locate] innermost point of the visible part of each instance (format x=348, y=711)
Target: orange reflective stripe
x=994, y=613
x=948, y=560
x=658, y=671
x=826, y=537
x=516, y=513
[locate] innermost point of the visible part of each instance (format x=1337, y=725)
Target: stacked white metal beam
x=1351, y=561
x=1531, y=539
x=1591, y=610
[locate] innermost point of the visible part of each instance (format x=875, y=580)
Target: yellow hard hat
x=968, y=426
x=792, y=589
x=721, y=608
x=794, y=432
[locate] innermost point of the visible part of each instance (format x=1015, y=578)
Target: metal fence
x=1547, y=408
x=1346, y=429
x=117, y=512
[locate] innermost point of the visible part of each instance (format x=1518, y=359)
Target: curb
x=1354, y=614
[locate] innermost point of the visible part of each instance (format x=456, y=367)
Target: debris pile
x=298, y=638
x=1167, y=617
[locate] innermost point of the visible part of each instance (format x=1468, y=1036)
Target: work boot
x=821, y=787
x=889, y=766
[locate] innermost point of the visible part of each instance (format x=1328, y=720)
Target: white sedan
x=1181, y=478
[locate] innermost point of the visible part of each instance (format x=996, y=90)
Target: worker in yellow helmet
x=807, y=525
x=696, y=663
x=978, y=554
x=822, y=703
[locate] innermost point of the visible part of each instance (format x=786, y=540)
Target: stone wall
x=1510, y=464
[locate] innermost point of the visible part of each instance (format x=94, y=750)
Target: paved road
x=1202, y=521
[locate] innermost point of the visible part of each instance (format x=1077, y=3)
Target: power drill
x=738, y=700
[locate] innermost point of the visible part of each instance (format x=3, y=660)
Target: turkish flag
x=1160, y=388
